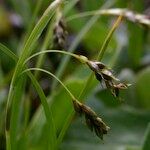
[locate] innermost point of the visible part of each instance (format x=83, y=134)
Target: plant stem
x=108, y=38
x=42, y=96
x=51, y=74
x=81, y=58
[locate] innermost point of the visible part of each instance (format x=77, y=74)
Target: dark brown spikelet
x=103, y=73
x=92, y=120
x=98, y=76
x=59, y=35
x=117, y=87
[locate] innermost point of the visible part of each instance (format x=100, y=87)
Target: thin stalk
x=82, y=59
x=51, y=74
x=108, y=38
x=128, y=14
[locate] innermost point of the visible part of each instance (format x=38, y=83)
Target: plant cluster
x=16, y=130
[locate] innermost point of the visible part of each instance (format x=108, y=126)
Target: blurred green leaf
x=135, y=48
x=142, y=86
x=106, y=97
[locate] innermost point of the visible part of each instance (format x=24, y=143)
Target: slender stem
x=83, y=59
x=130, y=15
x=51, y=74
x=108, y=38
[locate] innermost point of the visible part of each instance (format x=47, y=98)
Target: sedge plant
x=101, y=71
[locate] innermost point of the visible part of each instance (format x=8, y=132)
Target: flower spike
x=92, y=120
x=103, y=73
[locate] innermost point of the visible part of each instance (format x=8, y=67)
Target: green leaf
x=50, y=124
x=106, y=97
x=26, y=51
x=142, y=86
x=136, y=46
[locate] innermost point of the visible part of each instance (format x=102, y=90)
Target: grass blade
x=27, y=50
x=42, y=96
x=48, y=113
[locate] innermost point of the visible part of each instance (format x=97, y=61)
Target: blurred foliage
x=128, y=54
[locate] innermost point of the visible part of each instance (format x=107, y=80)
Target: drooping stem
x=51, y=74
x=81, y=58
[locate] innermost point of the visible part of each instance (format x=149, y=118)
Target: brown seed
x=88, y=111
x=98, y=76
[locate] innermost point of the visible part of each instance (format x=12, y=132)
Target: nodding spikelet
x=92, y=120
x=103, y=73
x=59, y=34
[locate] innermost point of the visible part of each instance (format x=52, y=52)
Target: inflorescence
x=105, y=75
x=92, y=120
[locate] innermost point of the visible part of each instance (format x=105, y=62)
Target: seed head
x=105, y=74
x=92, y=120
